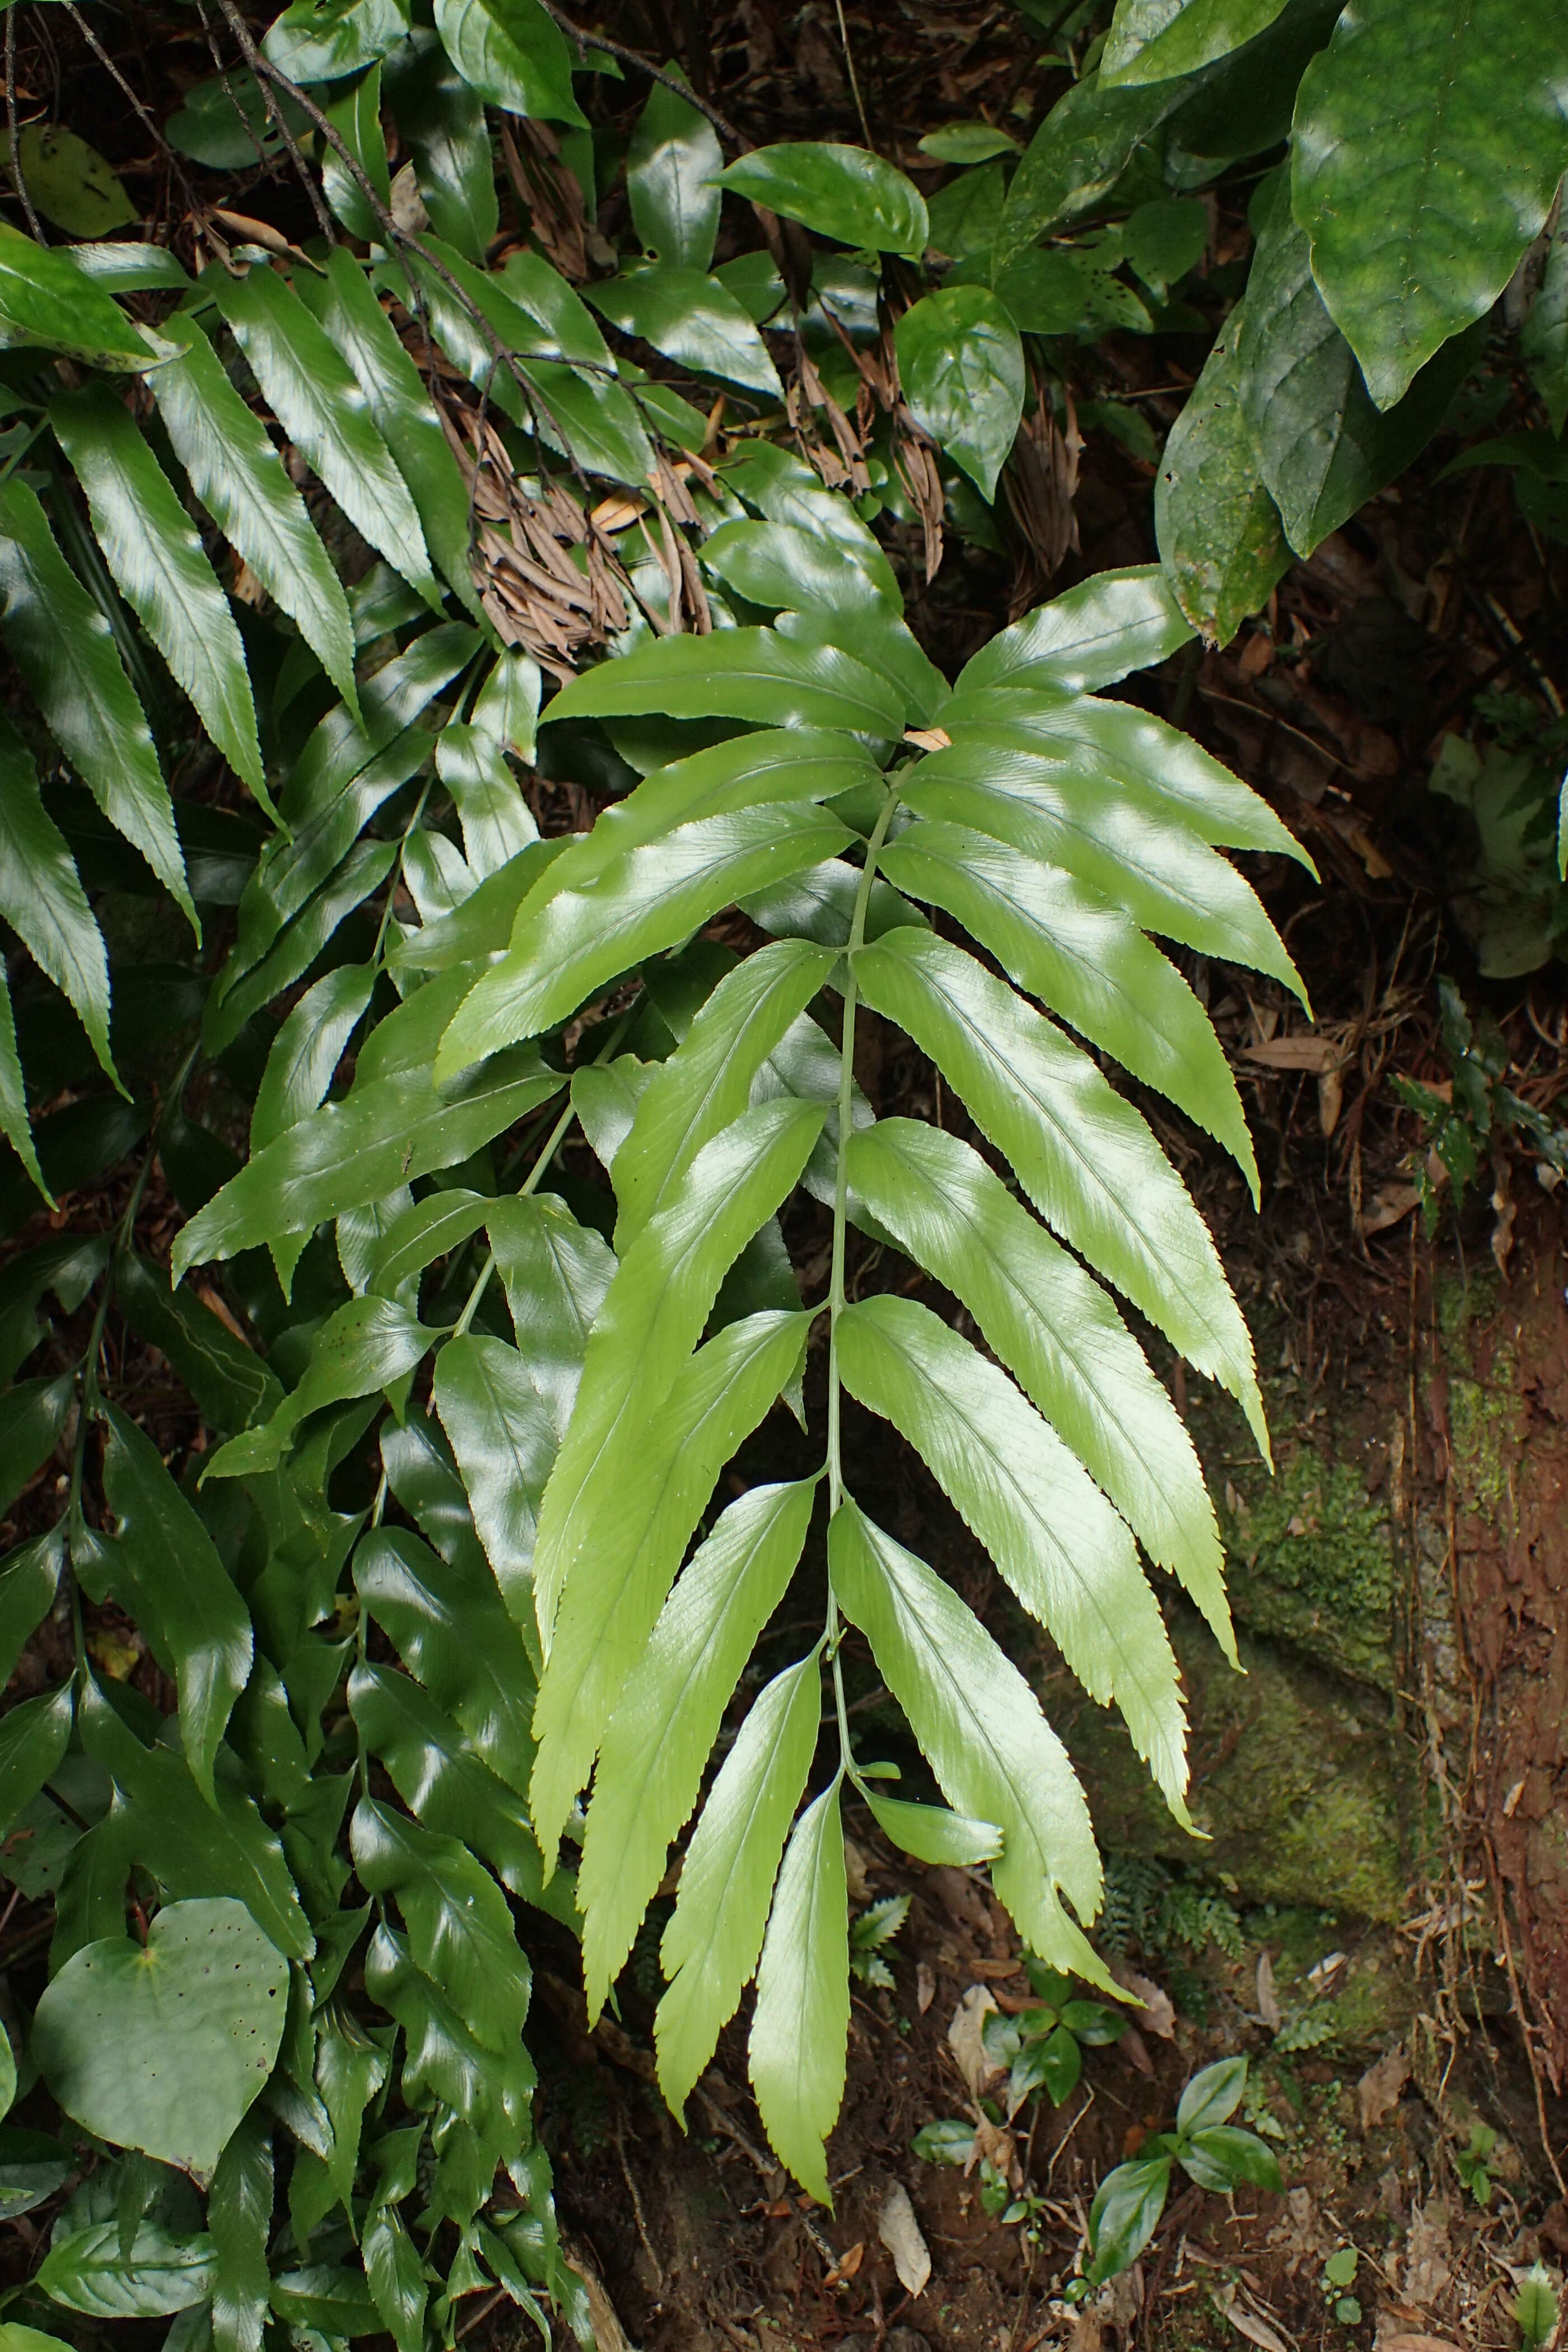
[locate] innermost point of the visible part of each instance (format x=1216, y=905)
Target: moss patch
x=1296, y=1776
x=1310, y=1559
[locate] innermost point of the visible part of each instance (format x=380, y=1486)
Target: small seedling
x=867, y=1934
x=1211, y=2150
x=1535, y=2310
x=1339, y=2272
x=1043, y=2047
x=1470, y=2163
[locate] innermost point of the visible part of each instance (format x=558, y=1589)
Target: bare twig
x=582, y=42
x=11, y=122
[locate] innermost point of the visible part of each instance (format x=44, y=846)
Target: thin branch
x=11, y=122
x=583, y=42
x=854, y=79
x=253, y=59
x=107, y=62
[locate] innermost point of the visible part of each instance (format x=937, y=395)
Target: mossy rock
x=1305, y=1790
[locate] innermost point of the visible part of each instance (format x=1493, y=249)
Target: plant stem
x=840, y=1222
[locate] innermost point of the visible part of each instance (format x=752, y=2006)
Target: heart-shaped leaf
x=163, y=2047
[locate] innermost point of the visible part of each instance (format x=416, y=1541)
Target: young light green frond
x=715, y=1932
x=315, y=397
x=65, y=649
x=500, y=1427
x=1085, y=961
x=1059, y=1334
x=800, y=2029
x=649, y=900
x=653, y=1753
x=648, y=1495
x=1095, y=633
x=238, y=477
x=1054, y=1538
x=707, y=1082
x=754, y=674
x=980, y=1726
x=652, y=1317
x=1085, y=1157
x=160, y=568
x=1139, y=855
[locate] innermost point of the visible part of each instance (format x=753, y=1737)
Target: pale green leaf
x=707, y=1081
x=961, y=368
x=1085, y=961
x=659, y=1737
x=1058, y=1332
x=1083, y=1155
x=1070, y=807
x=841, y=192
x=751, y=674
x=800, y=2029
x=655, y=1484
x=1066, y=1553
x=980, y=1724
x=715, y=1933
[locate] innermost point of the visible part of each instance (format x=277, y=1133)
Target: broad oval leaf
x=994, y=1754
x=960, y=366
x=513, y=53
x=1057, y=1540
x=92, y=2272
x=1093, y=635
x=715, y=1932
x=672, y=180
x=1218, y=529
x=653, y=1754
x=1321, y=447
x=323, y=40
x=692, y=318
x=841, y=192
x=1155, y=40
x=1427, y=143
x=163, y=2046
